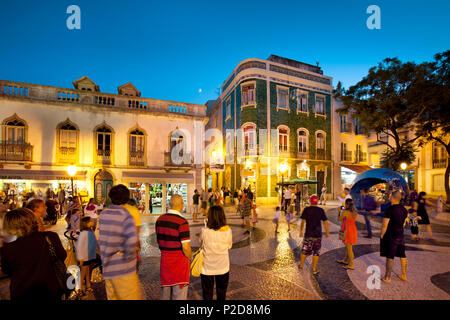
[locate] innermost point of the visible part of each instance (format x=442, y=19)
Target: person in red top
x=173, y=236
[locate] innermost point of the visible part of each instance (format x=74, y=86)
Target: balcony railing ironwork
x=184, y=160
x=346, y=127
x=137, y=158
x=346, y=156
x=103, y=157
x=360, y=157
x=439, y=163
x=67, y=155
x=16, y=151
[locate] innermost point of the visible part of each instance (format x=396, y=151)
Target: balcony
x=184, y=161
x=362, y=131
x=67, y=155
x=346, y=156
x=16, y=151
x=346, y=127
x=303, y=155
x=103, y=157
x=136, y=158
x=360, y=157
x=320, y=155
x=439, y=163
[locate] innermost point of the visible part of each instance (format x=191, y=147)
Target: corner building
x=276, y=110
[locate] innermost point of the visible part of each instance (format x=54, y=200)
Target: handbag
x=60, y=269
x=197, y=263
x=342, y=231
x=71, y=259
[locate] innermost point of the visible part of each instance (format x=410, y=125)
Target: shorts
x=195, y=208
x=275, y=220
x=390, y=248
x=311, y=246
x=415, y=230
x=204, y=205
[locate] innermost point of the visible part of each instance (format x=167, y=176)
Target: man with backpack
x=368, y=205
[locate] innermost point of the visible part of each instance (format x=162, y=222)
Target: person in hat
x=312, y=216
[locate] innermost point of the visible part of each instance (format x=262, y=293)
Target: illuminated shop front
x=18, y=183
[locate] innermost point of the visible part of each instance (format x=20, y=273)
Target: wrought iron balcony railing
x=136, y=158
x=16, y=151
x=439, y=163
x=183, y=160
x=103, y=157
x=346, y=156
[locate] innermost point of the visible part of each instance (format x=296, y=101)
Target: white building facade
x=109, y=138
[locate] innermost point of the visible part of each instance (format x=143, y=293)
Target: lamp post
x=403, y=165
x=72, y=171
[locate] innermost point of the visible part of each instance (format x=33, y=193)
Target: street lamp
x=283, y=168
x=72, y=171
x=403, y=165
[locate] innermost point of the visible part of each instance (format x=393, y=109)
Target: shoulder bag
x=60, y=269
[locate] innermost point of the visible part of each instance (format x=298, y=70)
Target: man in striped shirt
x=118, y=238
x=172, y=233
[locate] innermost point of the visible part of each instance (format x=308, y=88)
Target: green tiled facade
x=291, y=119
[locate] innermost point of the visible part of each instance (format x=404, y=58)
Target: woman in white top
x=217, y=240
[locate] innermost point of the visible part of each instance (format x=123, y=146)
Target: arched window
x=104, y=135
x=67, y=135
x=302, y=141
x=14, y=146
x=320, y=145
x=136, y=147
x=249, y=132
x=15, y=130
x=283, y=138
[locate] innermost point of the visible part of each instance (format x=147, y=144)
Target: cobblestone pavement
x=264, y=264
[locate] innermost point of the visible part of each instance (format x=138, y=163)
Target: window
x=68, y=136
x=345, y=154
x=320, y=146
x=302, y=101
x=137, y=147
x=320, y=105
x=283, y=138
x=343, y=123
x=320, y=141
x=439, y=156
x=228, y=109
x=104, y=143
x=15, y=131
x=282, y=98
x=302, y=141
x=357, y=126
x=249, y=139
x=248, y=95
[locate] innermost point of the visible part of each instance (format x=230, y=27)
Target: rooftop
x=295, y=64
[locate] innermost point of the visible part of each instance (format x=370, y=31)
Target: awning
x=39, y=175
x=356, y=167
x=297, y=181
x=145, y=177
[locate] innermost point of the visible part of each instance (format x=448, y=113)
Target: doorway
x=103, y=182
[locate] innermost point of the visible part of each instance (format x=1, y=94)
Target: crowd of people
x=108, y=237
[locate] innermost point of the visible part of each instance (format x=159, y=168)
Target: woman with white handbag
x=216, y=240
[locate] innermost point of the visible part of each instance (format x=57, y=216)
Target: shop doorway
x=320, y=181
x=103, y=182
x=177, y=188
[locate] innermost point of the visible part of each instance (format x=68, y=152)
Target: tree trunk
x=446, y=181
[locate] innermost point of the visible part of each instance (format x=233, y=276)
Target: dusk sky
x=172, y=49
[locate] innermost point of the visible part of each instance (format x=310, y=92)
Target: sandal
x=386, y=281
x=348, y=268
x=400, y=277
x=341, y=261
x=315, y=273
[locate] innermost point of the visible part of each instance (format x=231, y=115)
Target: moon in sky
x=199, y=90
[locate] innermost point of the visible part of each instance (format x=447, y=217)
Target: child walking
x=276, y=218
x=86, y=250
x=413, y=220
